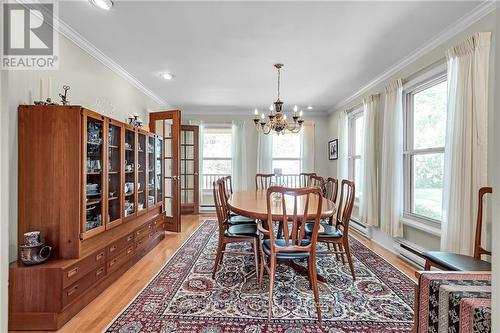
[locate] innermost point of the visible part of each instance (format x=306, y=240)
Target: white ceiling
x=222, y=52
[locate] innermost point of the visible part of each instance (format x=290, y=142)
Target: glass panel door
x=189, y=169
x=93, y=175
x=114, y=174
x=167, y=126
x=151, y=172
x=129, y=189
x=141, y=172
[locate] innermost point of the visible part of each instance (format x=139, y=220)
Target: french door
x=189, y=169
x=167, y=125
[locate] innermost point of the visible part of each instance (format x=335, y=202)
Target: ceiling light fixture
x=167, y=76
x=309, y=107
x=102, y=4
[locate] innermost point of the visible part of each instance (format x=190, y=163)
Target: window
x=425, y=129
x=286, y=153
x=216, y=154
x=355, y=139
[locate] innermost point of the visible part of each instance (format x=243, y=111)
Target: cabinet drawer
x=119, y=245
x=78, y=270
x=76, y=289
x=143, y=231
x=143, y=242
x=122, y=258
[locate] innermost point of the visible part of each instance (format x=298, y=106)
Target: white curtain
x=391, y=172
x=342, y=147
x=368, y=202
x=307, y=147
x=238, y=155
x=264, y=153
x=465, y=161
x=199, y=123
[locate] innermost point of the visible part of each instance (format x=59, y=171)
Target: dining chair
x=317, y=181
x=242, y=233
x=227, y=190
x=336, y=232
x=263, y=180
x=304, y=178
x=294, y=244
x=459, y=262
x=331, y=189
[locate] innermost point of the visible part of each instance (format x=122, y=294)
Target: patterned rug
x=183, y=297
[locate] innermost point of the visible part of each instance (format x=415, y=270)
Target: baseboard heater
x=361, y=228
x=410, y=252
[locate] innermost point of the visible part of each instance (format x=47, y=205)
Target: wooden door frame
x=173, y=223
x=196, y=171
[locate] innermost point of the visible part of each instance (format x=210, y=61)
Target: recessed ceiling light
x=102, y=4
x=309, y=107
x=167, y=76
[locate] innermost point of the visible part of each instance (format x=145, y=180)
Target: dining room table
x=253, y=204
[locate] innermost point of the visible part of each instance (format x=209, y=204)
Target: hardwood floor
x=101, y=312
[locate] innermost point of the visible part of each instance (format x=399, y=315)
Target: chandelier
x=277, y=119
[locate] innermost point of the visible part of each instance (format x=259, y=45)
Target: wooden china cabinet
x=94, y=187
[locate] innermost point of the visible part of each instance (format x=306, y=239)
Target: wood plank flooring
x=100, y=312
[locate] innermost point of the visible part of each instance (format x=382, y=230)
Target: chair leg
x=309, y=272
x=336, y=249
x=256, y=257
x=427, y=265
x=341, y=254
x=349, y=258
x=314, y=280
x=271, y=286
x=218, y=257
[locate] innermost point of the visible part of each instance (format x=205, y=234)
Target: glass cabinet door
x=114, y=174
x=159, y=173
x=151, y=171
x=93, y=175
x=129, y=189
x=141, y=172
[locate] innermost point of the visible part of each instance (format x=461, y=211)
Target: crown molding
x=451, y=31
x=64, y=29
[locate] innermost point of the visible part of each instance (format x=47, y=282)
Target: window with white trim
x=355, y=141
x=286, y=153
x=424, y=144
x=216, y=154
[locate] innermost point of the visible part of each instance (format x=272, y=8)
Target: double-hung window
x=216, y=154
x=424, y=143
x=355, y=142
x=286, y=153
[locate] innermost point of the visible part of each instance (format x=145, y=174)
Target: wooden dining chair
x=336, y=232
x=243, y=233
x=305, y=178
x=294, y=244
x=317, y=181
x=458, y=262
x=227, y=190
x=331, y=189
x=263, y=180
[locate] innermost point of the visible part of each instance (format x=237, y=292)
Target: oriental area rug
x=184, y=298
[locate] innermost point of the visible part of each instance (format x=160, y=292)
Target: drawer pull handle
x=129, y=238
x=111, y=249
x=72, y=272
x=99, y=256
x=129, y=250
x=99, y=271
x=112, y=262
x=72, y=290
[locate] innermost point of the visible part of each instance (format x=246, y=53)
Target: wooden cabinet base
x=37, y=293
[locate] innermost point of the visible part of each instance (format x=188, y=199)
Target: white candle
x=256, y=112
x=40, y=94
x=49, y=87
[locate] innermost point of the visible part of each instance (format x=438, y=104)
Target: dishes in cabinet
x=94, y=133
x=92, y=190
x=129, y=187
x=93, y=165
x=151, y=200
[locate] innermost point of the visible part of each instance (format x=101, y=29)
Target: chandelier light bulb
x=256, y=112
x=301, y=113
x=271, y=107
x=295, y=108
x=262, y=116
x=284, y=116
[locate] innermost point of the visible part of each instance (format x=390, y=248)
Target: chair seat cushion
x=238, y=219
x=457, y=262
x=266, y=246
x=329, y=231
x=242, y=230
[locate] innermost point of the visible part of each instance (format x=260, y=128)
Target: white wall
x=322, y=136
x=93, y=85
x=487, y=23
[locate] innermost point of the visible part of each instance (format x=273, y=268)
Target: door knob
x=196, y=173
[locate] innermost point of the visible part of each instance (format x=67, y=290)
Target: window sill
x=422, y=226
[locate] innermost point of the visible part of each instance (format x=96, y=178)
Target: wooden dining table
x=253, y=204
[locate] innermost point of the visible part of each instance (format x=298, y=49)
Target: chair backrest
x=229, y=184
x=478, y=249
x=293, y=237
x=224, y=188
x=346, y=203
x=317, y=181
x=219, y=205
x=331, y=189
x=263, y=180
x=305, y=178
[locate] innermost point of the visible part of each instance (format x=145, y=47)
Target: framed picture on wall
x=333, y=149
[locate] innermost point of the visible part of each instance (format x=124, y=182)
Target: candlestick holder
x=135, y=121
